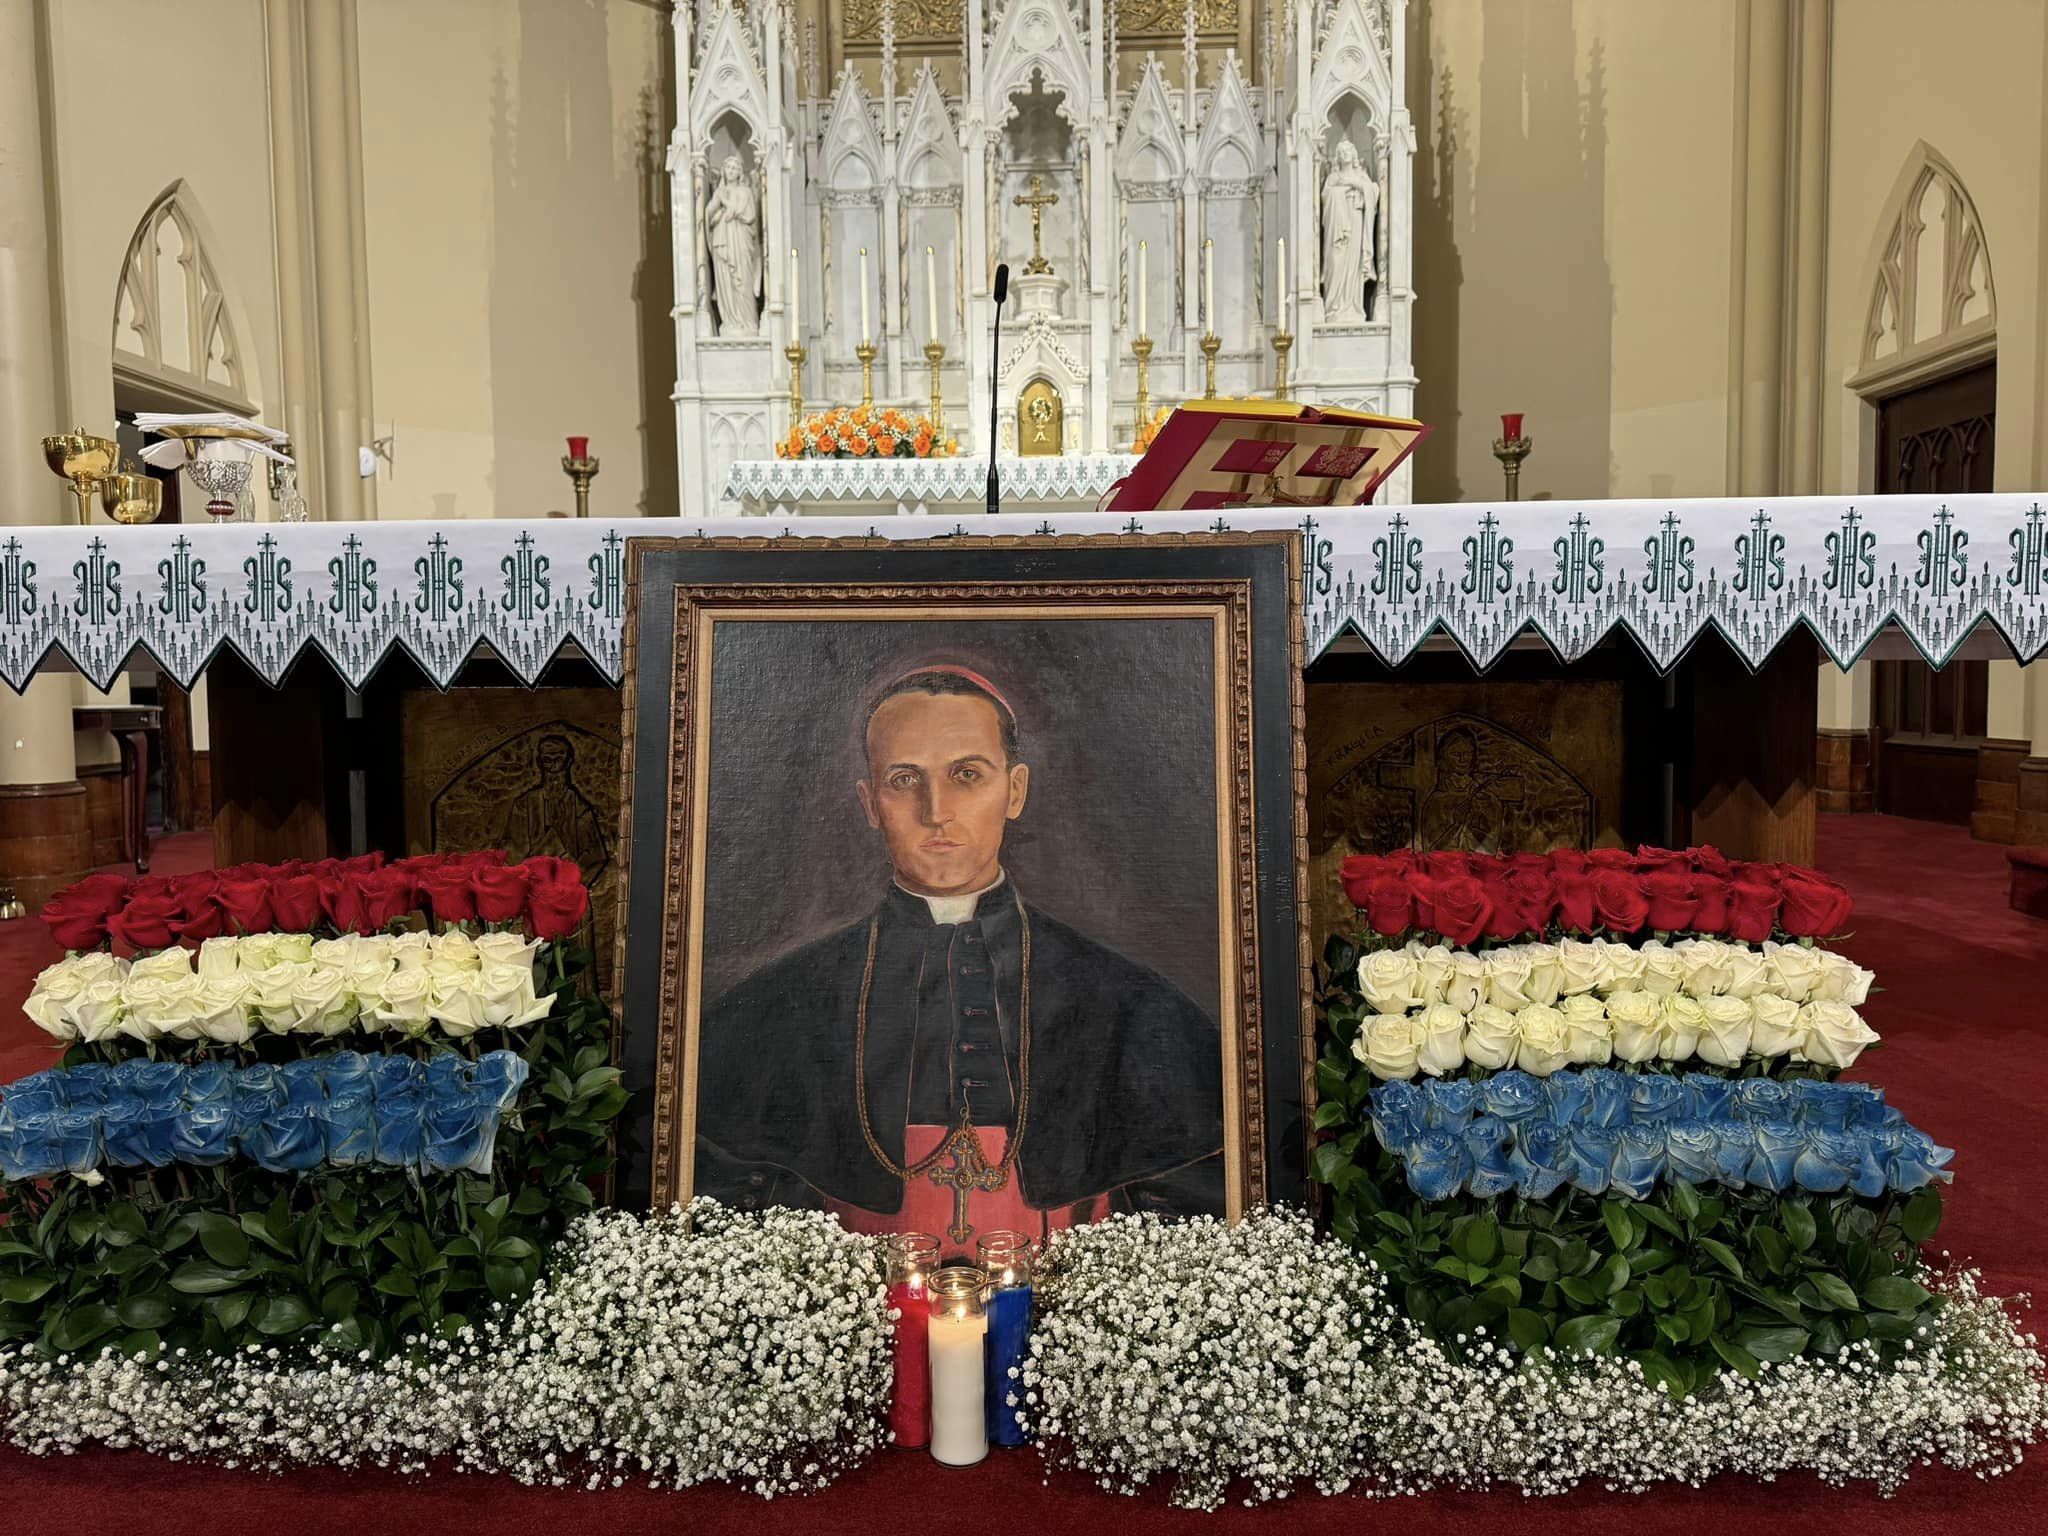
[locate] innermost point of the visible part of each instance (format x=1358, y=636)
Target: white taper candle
x=1141, y=288
x=1209, y=285
x=931, y=293
x=796, y=330
x=864, y=328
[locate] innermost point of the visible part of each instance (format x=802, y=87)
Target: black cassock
x=1126, y=1073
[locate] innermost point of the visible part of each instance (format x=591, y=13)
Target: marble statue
x=1350, y=201
x=734, y=225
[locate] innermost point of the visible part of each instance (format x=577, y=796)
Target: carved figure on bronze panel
x=553, y=816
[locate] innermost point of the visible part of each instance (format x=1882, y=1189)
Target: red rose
x=484, y=856
x=1671, y=897
x=1712, y=916
x=148, y=922
x=388, y=894
x=1610, y=858
x=1650, y=857
x=1389, y=904
x=204, y=919
x=1450, y=864
x=105, y=891
x=341, y=901
x=1710, y=861
x=555, y=908
x=244, y=900
x=1752, y=905
x=1815, y=906
x=1535, y=891
x=363, y=863
x=500, y=892
x=448, y=894
x=545, y=868
x=76, y=922
x=1566, y=861
x=1462, y=907
x=1618, y=898
x=295, y=903
x=1576, y=907
x=1357, y=873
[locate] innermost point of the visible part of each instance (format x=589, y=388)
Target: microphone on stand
x=995, y=368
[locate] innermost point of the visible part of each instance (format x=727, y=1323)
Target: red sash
x=928, y=1207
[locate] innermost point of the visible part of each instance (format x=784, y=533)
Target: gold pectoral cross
x=1037, y=202
x=968, y=1172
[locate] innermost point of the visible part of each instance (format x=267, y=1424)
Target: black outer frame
x=655, y=568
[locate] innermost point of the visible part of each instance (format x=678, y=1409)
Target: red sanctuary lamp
x=1511, y=447
x=581, y=469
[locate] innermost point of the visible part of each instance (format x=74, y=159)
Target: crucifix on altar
x=1038, y=201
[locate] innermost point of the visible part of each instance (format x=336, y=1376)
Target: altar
x=938, y=487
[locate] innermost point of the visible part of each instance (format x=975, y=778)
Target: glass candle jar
x=911, y=1257
x=958, y=1337
x=1007, y=1258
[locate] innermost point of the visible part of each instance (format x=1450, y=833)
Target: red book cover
x=1265, y=453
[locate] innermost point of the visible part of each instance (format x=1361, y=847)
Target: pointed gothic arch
x=850, y=136
x=177, y=327
x=1148, y=145
x=1229, y=148
x=1933, y=306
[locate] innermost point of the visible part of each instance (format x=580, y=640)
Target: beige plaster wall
x=518, y=252
x=1972, y=88
x=1574, y=175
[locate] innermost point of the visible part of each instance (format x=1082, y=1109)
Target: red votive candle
x=912, y=1256
x=1510, y=426
x=579, y=447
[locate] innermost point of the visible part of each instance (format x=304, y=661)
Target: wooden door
x=1933, y=441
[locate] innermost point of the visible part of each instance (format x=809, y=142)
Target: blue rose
x=1571, y=1096
x=1638, y=1159
x=1774, y=1148
x=1763, y=1098
x=1539, y=1158
x=398, y=1090
x=1826, y=1161
x=1486, y=1140
x=35, y=1094
x=1450, y=1103
x=1708, y=1097
x=461, y=1126
x=291, y=1139
x=304, y=1082
x=211, y=1082
x=1512, y=1095
x=1437, y=1163
x=1655, y=1096
x=343, y=1071
x=1866, y=1105
x=448, y=1073
x=1609, y=1105
x=1819, y=1106
x=160, y=1084
x=1692, y=1152
x=259, y=1094
x=1397, y=1109
x=20, y=1155
x=203, y=1134
x=84, y=1087
x=1589, y=1156
x=501, y=1074
x=1911, y=1157
x=1734, y=1145
x=49, y=1141
x=133, y=1134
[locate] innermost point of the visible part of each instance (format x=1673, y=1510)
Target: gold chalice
x=131, y=496
x=82, y=459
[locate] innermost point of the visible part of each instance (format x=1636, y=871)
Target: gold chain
x=860, y=1058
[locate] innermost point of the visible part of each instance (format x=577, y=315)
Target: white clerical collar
x=953, y=909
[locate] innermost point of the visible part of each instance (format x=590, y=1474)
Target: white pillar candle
x=1209, y=285
x=931, y=294
x=959, y=1409
x=1141, y=288
x=1280, y=283
x=864, y=296
x=796, y=331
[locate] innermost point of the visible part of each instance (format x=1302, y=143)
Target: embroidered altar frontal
x=1573, y=571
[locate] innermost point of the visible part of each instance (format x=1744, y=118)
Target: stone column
x=297, y=322
x=1757, y=310
x=359, y=243
x=1812, y=44
x=327, y=24
x=45, y=841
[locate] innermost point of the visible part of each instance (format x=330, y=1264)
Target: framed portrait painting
x=963, y=878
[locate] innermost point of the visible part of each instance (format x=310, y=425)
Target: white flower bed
x=756, y=1349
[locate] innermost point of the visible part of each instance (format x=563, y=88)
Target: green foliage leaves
x=358, y=1257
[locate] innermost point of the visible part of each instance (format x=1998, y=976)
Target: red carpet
x=1961, y=1013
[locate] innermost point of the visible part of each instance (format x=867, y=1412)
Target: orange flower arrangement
x=860, y=432
x=1150, y=429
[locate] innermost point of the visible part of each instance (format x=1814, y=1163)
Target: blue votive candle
x=1006, y=1258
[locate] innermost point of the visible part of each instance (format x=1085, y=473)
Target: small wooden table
x=131, y=725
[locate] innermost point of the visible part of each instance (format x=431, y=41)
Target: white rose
x=337, y=954
x=1707, y=972
x=505, y=948
x=403, y=1005
x=1490, y=1039
x=1748, y=976
x=506, y=992
x=1842, y=980
x=1794, y=969
x=1442, y=1033
x=1546, y=973
x=1834, y=1036
x=296, y=948
x=1387, y=978
x=368, y=978
x=1729, y=1022
x=220, y=1010
x=321, y=1001
x=176, y=1012
x=1582, y=967
x=164, y=965
x=1541, y=1046
x=270, y=994
x=1682, y=1022
x=1389, y=1045
x=455, y=950
x=49, y=1004
x=141, y=1013
x=1775, y=1029
x=1625, y=967
x=1465, y=987
x=1433, y=966
x=1637, y=1022
x=220, y=957
x=411, y=951
x=1508, y=976
x=258, y=951
x=89, y=967
x=454, y=1001
x=1663, y=969
x=1587, y=1034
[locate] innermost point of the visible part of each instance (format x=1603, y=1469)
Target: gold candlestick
x=935, y=353
x=1142, y=350
x=1282, y=340
x=84, y=460
x=1511, y=451
x=581, y=471
x=796, y=356
x=1210, y=345
x=866, y=353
